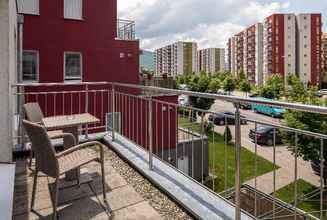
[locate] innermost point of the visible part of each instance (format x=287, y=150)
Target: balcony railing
x=125, y=29
x=183, y=137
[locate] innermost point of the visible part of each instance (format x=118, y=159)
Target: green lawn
x=309, y=205
x=217, y=155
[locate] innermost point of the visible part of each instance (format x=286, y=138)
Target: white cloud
x=209, y=22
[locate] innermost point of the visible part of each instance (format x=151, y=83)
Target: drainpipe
x=19, y=79
x=20, y=28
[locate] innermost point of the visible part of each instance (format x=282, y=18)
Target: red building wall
x=94, y=36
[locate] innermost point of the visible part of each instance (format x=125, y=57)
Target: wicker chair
x=34, y=114
x=56, y=164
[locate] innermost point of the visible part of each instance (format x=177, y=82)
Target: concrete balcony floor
x=130, y=196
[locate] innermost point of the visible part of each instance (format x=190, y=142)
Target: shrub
x=227, y=134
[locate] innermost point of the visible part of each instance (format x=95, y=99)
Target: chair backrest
x=46, y=160
x=33, y=112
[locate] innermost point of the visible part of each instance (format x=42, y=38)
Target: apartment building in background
x=324, y=51
x=309, y=40
x=231, y=55
x=283, y=44
x=253, y=53
x=211, y=60
x=279, y=45
x=245, y=53
x=177, y=58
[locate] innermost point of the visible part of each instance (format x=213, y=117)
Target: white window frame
x=70, y=17
x=73, y=79
x=37, y=65
x=23, y=10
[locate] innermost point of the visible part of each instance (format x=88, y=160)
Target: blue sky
x=208, y=22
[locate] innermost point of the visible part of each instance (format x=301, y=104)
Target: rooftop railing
x=125, y=29
x=243, y=171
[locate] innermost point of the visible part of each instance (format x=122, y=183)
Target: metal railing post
x=86, y=109
x=237, y=162
x=20, y=103
x=150, y=135
x=113, y=107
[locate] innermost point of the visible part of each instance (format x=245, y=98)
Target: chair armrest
x=71, y=137
x=80, y=147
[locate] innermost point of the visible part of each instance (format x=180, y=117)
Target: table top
x=65, y=121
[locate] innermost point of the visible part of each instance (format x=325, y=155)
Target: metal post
x=20, y=103
x=86, y=109
x=150, y=135
x=237, y=162
x=322, y=176
x=113, y=112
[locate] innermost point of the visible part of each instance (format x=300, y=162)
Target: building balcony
x=125, y=29
x=162, y=137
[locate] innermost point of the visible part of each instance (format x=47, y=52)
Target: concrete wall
x=7, y=75
x=196, y=150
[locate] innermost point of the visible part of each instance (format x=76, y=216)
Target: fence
x=196, y=144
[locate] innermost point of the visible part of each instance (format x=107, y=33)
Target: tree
x=214, y=85
x=229, y=84
x=200, y=84
x=308, y=147
x=274, y=87
x=245, y=86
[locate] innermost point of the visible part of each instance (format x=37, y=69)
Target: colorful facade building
x=211, y=60
x=177, y=58
x=324, y=50
x=309, y=48
x=283, y=44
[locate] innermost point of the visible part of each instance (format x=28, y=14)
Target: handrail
x=234, y=99
x=228, y=98
x=59, y=84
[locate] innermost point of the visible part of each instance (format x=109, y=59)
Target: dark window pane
x=30, y=66
x=73, y=66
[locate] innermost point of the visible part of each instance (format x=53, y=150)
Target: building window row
x=73, y=9
x=72, y=66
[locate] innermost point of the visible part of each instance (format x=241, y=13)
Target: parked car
x=246, y=106
x=219, y=119
x=265, y=135
x=268, y=110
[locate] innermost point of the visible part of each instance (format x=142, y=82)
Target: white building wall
x=259, y=54
x=8, y=75
x=222, y=60
x=265, y=45
x=233, y=57
x=289, y=44
x=194, y=58
x=304, y=47
x=180, y=58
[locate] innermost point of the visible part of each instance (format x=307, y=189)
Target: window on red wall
x=73, y=9
x=73, y=66
x=28, y=7
x=30, y=66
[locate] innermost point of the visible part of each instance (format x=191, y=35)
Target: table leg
x=74, y=174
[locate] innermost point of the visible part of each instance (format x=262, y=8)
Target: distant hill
x=147, y=60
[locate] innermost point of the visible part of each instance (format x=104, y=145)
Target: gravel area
x=158, y=200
